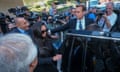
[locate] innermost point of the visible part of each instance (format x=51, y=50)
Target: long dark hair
x=36, y=29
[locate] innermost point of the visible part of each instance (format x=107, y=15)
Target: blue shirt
x=82, y=24
x=92, y=16
x=22, y=31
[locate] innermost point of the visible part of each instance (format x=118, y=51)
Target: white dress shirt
x=112, y=18
x=82, y=23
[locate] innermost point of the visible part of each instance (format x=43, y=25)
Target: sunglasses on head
x=43, y=31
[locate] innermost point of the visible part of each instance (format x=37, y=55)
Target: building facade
x=6, y=4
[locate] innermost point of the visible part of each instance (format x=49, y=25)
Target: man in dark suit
x=22, y=26
x=80, y=23
x=75, y=23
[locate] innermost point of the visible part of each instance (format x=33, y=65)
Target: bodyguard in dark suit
x=22, y=26
x=80, y=23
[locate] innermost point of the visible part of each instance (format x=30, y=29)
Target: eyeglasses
x=43, y=31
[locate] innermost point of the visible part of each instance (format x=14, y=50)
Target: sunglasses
x=43, y=31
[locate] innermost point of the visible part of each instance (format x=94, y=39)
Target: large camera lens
x=100, y=13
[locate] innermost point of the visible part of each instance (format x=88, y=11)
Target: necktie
x=80, y=25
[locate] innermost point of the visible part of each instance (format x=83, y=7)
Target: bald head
x=18, y=20
x=21, y=23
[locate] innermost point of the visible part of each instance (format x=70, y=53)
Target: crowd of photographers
x=107, y=21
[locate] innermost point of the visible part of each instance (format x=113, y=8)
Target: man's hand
x=57, y=57
x=107, y=22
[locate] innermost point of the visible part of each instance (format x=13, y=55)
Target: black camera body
x=56, y=19
x=24, y=12
x=100, y=14
x=18, y=11
x=3, y=23
x=2, y=17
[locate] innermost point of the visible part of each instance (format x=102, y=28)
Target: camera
x=24, y=12
x=18, y=11
x=33, y=18
x=56, y=19
x=2, y=17
x=100, y=14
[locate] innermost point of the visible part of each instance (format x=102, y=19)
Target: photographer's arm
x=107, y=22
x=110, y=22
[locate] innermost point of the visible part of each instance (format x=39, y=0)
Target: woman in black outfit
x=47, y=54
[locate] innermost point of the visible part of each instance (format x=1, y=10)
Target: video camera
x=4, y=21
x=100, y=14
x=19, y=11
x=56, y=18
x=2, y=17
x=33, y=18
x=24, y=12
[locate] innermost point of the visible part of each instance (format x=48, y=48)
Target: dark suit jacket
x=72, y=25
x=15, y=30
